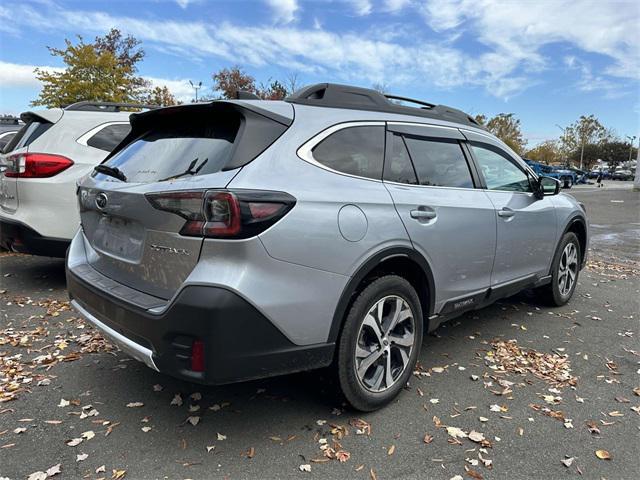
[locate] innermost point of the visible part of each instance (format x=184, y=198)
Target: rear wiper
x=111, y=171
x=189, y=170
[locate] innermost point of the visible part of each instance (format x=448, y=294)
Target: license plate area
x=119, y=237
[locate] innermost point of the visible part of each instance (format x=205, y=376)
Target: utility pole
x=636, y=181
x=632, y=139
x=196, y=87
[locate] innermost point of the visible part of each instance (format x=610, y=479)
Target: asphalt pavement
x=514, y=391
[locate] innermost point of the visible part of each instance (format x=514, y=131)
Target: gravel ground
x=575, y=399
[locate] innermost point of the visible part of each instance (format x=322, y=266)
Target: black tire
x=551, y=294
x=353, y=388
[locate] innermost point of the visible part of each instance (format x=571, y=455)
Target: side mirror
x=548, y=186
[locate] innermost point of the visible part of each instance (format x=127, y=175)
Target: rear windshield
x=26, y=135
x=175, y=151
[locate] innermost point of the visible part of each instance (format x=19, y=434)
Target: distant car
x=622, y=175
x=567, y=177
x=40, y=168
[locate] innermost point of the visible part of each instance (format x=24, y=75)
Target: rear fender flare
x=365, y=269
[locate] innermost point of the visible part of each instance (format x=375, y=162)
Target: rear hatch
x=136, y=210
x=36, y=123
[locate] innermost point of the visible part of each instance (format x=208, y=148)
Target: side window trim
x=84, y=138
x=305, y=151
x=502, y=153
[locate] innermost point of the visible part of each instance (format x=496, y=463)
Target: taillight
x=36, y=165
x=224, y=213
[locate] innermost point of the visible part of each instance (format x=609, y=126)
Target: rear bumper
x=239, y=342
x=18, y=237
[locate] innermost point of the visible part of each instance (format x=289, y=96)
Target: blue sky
x=546, y=61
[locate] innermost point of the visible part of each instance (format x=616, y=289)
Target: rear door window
x=109, y=137
x=178, y=150
x=353, y=150
x=397, y=166
x=439, y=162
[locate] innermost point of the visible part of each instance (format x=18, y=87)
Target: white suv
x=40, y=168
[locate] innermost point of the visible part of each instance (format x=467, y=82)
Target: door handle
x=506, y=212
x=423, y=214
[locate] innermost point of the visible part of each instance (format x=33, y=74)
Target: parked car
x=240, y=239
x=567, y=177
x=41, y=165
x=622, y=174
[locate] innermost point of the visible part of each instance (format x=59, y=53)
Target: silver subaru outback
x=241, y=239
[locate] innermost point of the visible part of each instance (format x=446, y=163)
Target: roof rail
x=333, y=95
x=245, y=95
x=90, y=106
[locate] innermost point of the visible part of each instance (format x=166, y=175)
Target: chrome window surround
x=84, y=138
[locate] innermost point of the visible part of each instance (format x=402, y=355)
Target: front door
x=526, y=230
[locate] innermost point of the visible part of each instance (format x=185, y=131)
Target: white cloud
x=361, y=7
x=183, y=3
x=284, y=11
x=18, y=75
x=510, y=58
x=517, y=33
x=396, y=5
x=180, y=88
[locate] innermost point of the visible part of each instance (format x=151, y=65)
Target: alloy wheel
x=385, y=343
x=567, y=269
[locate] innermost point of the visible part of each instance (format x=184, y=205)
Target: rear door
x=448, y=220
x=526, y=225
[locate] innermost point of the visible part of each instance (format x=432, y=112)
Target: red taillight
x=197, y=356
x=223, y=213
x=36, y=165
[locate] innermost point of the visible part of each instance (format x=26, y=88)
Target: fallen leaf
x=373, y=475
x=157, y=387
x=146, y=429
x=37, y=476
x=81, y=456
x=603, y=455
x=118, y=474
x=193, y=420
x=456, y=432
x=221, y=437
x=427, y=439
x=177, y=400
x=476, y=436
x=63, y=403
x=196, y=397
x=54, y=470
x=251, y=452
x=135, y=404
x=391, y=449
x=101, y=469
x=305, y=467
x=567, y=461
x=88, y=435
x=456, y=477
x=75, y=441
x=19, y=430
x=210, y=448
